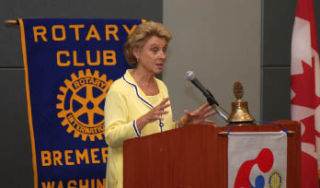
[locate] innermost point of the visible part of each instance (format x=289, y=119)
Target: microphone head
x=190, y=75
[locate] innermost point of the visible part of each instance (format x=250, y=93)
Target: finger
x=162, y=107
x=163, y=104
x=161, y=117
x=208, y=108
x=164, y=112
x=160, y=113
x=202, y=107
x=210, y=114
x=157, y=117
x=187, y=113
x=164, y=101
x=206, y=105
x=209, y=122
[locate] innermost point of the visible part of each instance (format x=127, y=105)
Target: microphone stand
x=221, y=112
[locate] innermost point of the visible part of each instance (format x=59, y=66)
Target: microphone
x=210, y=98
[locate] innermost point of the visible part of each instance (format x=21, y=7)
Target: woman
x=138, y=103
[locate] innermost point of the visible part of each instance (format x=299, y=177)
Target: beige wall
x=220, y=41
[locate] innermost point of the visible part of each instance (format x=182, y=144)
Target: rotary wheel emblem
x=82, y=102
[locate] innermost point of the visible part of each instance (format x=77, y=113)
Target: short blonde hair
x=139, y=37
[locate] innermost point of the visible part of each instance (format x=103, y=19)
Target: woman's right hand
x=154, y=114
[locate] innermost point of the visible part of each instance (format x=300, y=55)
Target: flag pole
x=11, y=22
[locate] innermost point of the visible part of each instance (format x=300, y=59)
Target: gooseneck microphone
x=210, y=98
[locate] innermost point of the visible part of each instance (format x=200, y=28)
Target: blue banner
x=69, y=66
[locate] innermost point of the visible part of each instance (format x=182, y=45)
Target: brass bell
x=239, y=113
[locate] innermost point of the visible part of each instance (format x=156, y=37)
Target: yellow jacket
x=125, y=103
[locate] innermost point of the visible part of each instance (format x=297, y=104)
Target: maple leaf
x=305, y=95
x=310, y=133
x=304, y=87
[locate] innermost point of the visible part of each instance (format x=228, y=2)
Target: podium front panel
x=195, y=156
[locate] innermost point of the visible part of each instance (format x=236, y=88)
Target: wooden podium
x=195, y=156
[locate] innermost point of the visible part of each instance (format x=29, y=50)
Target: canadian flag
x=305, y=90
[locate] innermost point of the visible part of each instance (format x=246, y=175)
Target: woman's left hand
x=199, y=115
